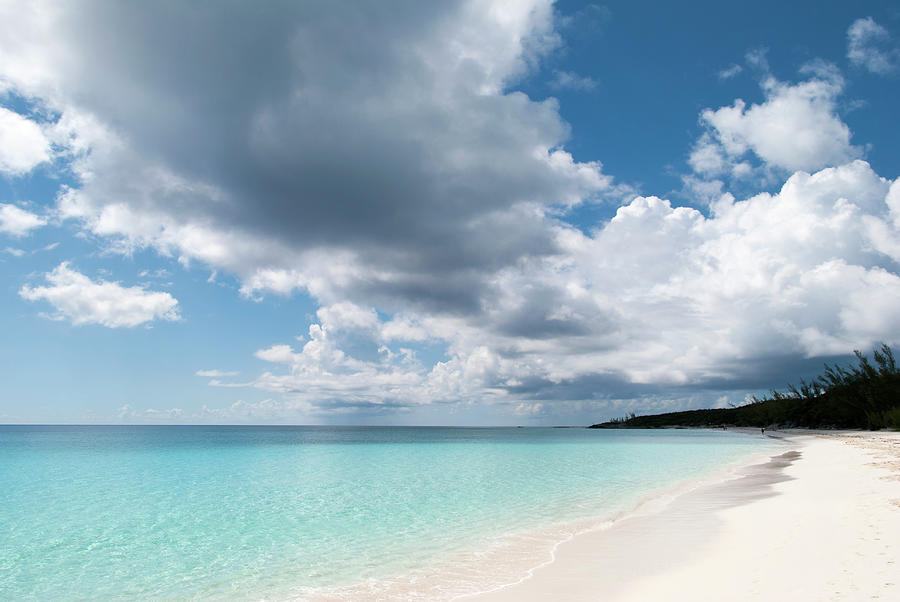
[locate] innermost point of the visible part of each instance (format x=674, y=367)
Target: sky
x=461, y=213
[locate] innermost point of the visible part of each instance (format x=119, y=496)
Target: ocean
x=316, y=512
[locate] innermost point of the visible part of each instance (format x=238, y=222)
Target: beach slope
x=818, y=521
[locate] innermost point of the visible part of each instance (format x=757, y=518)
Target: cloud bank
x=379, y=159
x=808, y=271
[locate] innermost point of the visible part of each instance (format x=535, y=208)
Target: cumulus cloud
x=18, y=222
x=374, y=137
x=807, y=272
x=77, y=298
x=796, y=128
x=868, y=46
x=23, y=145
x=322, y=373
x=378, y=158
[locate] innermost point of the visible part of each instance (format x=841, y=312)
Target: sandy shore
x=819, y=521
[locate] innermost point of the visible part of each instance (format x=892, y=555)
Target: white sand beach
x=819, y=521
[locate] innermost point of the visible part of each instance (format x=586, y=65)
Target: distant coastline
x=866, y=396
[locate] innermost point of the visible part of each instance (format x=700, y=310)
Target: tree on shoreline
x=866, y=396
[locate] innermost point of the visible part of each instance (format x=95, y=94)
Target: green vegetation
x=863, y=397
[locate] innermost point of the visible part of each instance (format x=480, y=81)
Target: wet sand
x=817, y=521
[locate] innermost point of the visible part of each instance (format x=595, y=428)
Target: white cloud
x=758, y=59
x=18, y=222
x=759, y=272
x=384, y=164
x=258, y=412
x=23, y=145
x=80, y=300
x=867, y=47
x=129, y=415
x=216, y=373
x=432, y=145
x=695, y=299
x=404, y=328
x=569, y=80
x=708, y=157
x=347, y=316
x=265, y=410
x=796, y=127
x=16, y=252
x=323, y=374
x=730, y=72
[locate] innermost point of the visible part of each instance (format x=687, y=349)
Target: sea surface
x=231, y=512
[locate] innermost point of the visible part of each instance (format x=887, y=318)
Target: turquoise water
x=276, y=512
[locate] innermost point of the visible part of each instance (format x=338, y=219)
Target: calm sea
x=216, y=512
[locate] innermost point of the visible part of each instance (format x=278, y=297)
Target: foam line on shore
x=823, y=508
x=518, y=557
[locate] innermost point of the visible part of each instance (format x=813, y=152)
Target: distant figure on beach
x=763, y=430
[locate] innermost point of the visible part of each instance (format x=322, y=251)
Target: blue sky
x=465, y=213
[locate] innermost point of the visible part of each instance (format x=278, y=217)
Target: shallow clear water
x=267, y=512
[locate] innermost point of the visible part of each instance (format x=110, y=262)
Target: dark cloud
x=377, y=156
x=380, y=129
